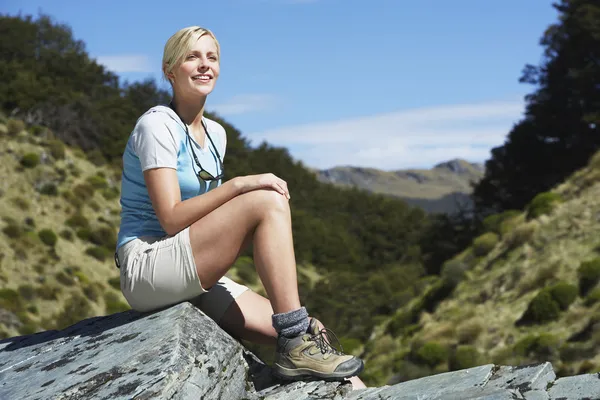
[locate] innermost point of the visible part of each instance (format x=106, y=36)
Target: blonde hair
x=179, y=44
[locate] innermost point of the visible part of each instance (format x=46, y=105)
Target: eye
x=190, y=56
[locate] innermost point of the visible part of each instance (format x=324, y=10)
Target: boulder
x=180, y=353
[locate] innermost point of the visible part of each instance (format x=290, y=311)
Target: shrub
x=493, y=223
x=57, y=149
x=469, y=331
x=543, y=204
x=432, y=354
x=48, y=237
x=92, y=291
x=48, y=292
x=27, y=292
x=542, y=308
x=83, y=191
x=84, y=233
x=64, y=278
x=99, y=253
x=543, y=346
x=96, y=158
x=463, y=357
x=589, y=275
x=115, y=282
x=78, y=221
x=49, y=189
x=114, y=304
x=110, y=193
x=104, y=236
x=21, y=202
x=592, y=297
x=521, y=234
x=10, y=300
x=564, y=294
x=30, y=160
x=97, y=182
x=15, y=126
x=485, y=243
x=453, y=271
x=12, y=231
x=76, y=308
x=66, y=234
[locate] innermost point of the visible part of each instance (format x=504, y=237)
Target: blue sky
x=392, y=84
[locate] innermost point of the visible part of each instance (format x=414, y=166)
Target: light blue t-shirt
x=159, y=140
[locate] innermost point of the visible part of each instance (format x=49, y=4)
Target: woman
x=182, y=229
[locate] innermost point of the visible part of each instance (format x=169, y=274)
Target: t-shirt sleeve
x=154, y=143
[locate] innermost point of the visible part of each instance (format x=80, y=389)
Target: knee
x=267, y=201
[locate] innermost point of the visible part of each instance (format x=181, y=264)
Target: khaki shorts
x=157, y=272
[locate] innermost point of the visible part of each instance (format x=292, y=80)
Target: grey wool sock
x=291, y=323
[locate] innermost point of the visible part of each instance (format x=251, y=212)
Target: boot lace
x=323, y=340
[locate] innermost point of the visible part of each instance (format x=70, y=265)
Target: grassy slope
x=480, y=316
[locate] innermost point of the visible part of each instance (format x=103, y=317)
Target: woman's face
x=199, y=70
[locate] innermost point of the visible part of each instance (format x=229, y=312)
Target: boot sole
x=297, y=374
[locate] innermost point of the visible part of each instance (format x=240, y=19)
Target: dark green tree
x=559, y=131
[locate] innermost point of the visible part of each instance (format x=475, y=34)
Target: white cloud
x=244, y=103
x=403, y=139
x=126, y=63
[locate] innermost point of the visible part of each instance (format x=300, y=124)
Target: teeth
x=202, y=77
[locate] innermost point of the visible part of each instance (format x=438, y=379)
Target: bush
x=99, y=253
x=10, y=300
x=64, y=278
x=66, y=234
x=76, y=308
x=485, y=243
x=463, y=357
x=57, y=149
x=589, y=275
x=21, y=202
x=542, y=308
x=83, y=191
x=469, y=332
x=27, y=292
x=453, y=271
x=115, y=282
x=97, y=182
x=49, y=189
x=543, y=204
x=432, y=354
x=592, y=297
x=12, y=231
x=114, y=304
x=521, y=234
x=78, y=221
x=30, y=160
x=564, y=294
x=48, y=237
x=494, y=223
x=104, y=236
x=110, y=193
x=15, y=126
x=540, y=346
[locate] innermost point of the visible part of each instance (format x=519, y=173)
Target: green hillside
x=525, y=291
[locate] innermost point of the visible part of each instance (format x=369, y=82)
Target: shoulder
x=155, y=125
x=215, y=128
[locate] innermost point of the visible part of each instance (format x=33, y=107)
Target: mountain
x=443, y=188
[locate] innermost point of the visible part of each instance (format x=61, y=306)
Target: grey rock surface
x=180, y=353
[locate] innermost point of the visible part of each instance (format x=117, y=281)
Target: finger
x=282, y=190
x=287, y=190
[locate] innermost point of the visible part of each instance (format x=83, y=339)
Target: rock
x=180, y=353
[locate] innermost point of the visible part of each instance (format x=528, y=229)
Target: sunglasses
x=202, y=173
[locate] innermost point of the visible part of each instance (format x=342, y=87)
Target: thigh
x=218, y=238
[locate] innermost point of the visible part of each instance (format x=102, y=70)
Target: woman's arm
x=174, y=214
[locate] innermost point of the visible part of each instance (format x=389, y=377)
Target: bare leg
x=218, y=238
x=249, y=318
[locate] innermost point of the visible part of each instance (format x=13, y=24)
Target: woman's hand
x=263, y=181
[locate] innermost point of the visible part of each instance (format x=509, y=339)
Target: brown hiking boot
x=311, y=355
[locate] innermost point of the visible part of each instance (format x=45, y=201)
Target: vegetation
x=413, y=294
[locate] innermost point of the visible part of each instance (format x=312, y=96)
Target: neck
x=191, y=112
